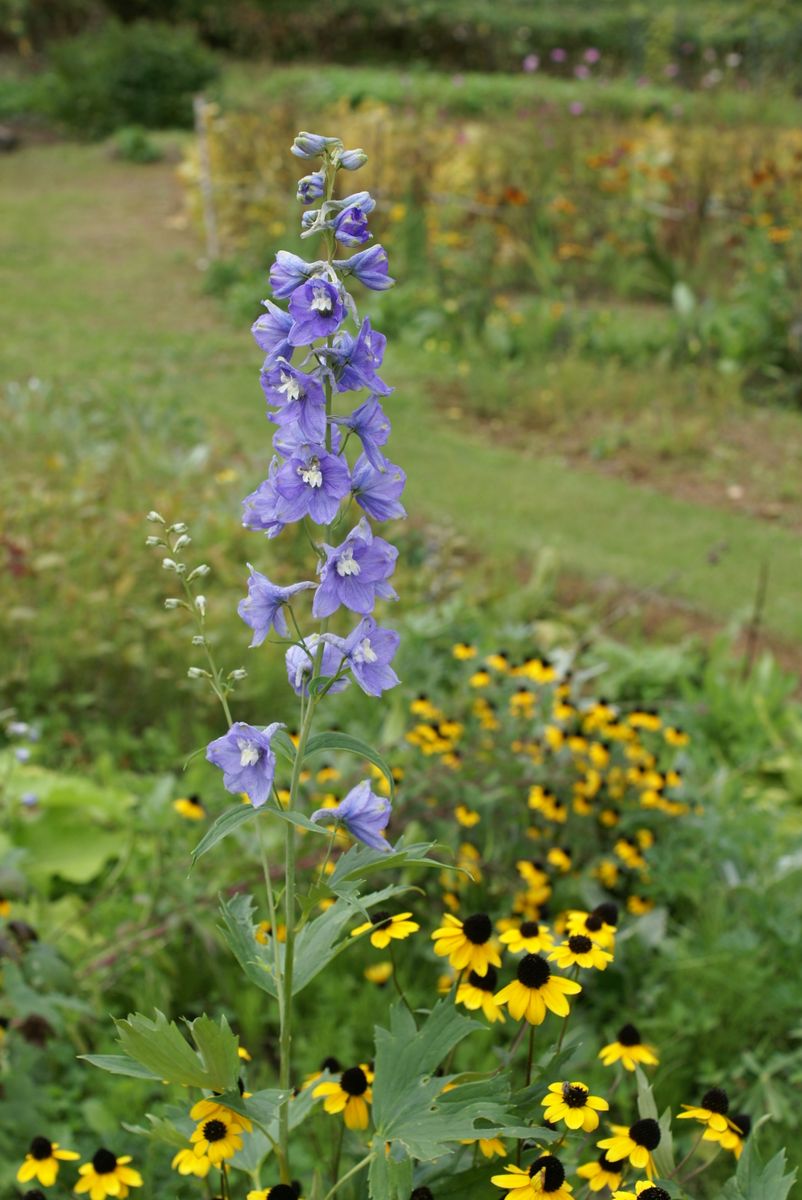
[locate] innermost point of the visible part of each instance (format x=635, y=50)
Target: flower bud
x=199, y=640
x=310, y=145
x=311, y=187
x=183, y=541
x=154, y=541
x=172, y=602
x=169, y=564
x=155, y=518
x=200, y=604
x=352, y=160
x=178, y=527
x=240, y=673
x=181, y=568
x=198, y=673
x=200, y=571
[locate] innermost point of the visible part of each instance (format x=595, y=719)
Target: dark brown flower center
x=104, y=1162
x=354, y=1081
x=485, y=983
x=628, y=1035
x=646, y=1133
x=579, y=944
x=716, y=1100
x=41, y=1148
x=553, y=1173
x=529, y=929
x=214, y=1130
x=575, y=1095
x=477, y=928
x=382, y=920
x=533, y=971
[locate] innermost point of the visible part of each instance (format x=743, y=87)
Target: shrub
x=132, y=144
x=143, y=74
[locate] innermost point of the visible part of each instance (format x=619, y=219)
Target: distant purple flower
x=581, y=71
x=351, y=223
x=310, y=145
x=246, y=760
x=358, y=360
x=364, y=814
x=288, y=273
x=312, y=484
x=299, y=397
x=262, y=509
x=18, y=729
x=22, y=754
x=592, y=55
x=369, y=651
x=311, y=187
x=301, y=662
x=29, y=799
x=270, y=331
x=369, y=422
x=576, y=108
x=263, y=607
x=557, y=55
x=355, y=573
x=317, y=309
x=530, y=64
x=377, y=492
x=368, y=266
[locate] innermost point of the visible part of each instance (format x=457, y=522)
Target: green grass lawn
x=101, y=298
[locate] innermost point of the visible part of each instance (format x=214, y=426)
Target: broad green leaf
x=58, y=846
x=352, y=745
x=225, y=824
x=160, y=1047
x=283, y=744
x=119, y=1064
x=756, y=1180
x=361, y=861
x=218, y=1047
x=256, y=960
x=173, y=1129
x=390, y=1175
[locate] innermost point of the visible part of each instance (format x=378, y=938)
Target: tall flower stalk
x=312, y=364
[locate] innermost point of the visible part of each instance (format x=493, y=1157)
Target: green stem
x=335, y=1166
x=363, y=1162
x=689, y=1155
x=530, y=1055
x=396, y=981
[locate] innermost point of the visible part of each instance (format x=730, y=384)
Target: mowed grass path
x=98, y=287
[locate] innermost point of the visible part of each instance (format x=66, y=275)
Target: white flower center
x=347, y=564
x=321, y=301
x=364, y=652
x=311, y=474
x=290, y=387
x=248, y=753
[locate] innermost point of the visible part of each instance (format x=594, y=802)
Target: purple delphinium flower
x=270, y=332
x=317, y=309
x=368, y=266
x=351, y=223
x=246, y=759
x=288, y=273
x=369, y=650
x=299, y=398
x=311, y=187
x=289, y=442
x=364, y=814
x=358, y=360
x=369, y=422
x=263, y=607
x=301, y=662
x=352, y=160
x=262, y=508
x=310, y=145
x=312, y=483
x=377, y=492
x=355, y=573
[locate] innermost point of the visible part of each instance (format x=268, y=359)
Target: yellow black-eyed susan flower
x=264, y=932
x=522, y=703
x=327, y=774
x=208, y=1107
x=530, y=936
x=279, y=1191
x=634, y=1144
x=643, y=1191
x=350, y=1095
x=536, y=990
x=467, y=944
x=573, y=1104
x=190, y=807
x=499, y=660
x=477, y=991
x=244, y=1054
x=489, y=1147
x=330, y=1064
x=712, y=1112
x=545, y=1177
x=628, y=850
x=466, y=817
x=463, y=651
x=187, y=1162
x=219, y=1137
x=387, y=927
x=644, y=718
x=560, y=858
x=107, y=1175
x=580, y=951
x=5, y=906
x=639, y=905
x=733, y=1139
x=675, y=736
x=479, y=679
x=43, y=1160
x=629, y=1049
x=422, y=706
x=600, y=924
x=601, y=1174
x=379, y=973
